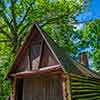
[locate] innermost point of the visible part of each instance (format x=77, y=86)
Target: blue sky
x=92, y=13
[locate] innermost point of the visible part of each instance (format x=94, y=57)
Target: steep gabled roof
x=68, y=64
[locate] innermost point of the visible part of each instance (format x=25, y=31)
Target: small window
x=35, y=55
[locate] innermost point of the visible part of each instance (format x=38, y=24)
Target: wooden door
x=42, y=88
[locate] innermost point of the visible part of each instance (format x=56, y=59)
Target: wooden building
x=43, y=71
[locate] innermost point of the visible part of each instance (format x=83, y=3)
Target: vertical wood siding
x=13, y=89
x=83, y=88
x=42, y=88
x=24, y=63
x=27, y=89
x=47, y=57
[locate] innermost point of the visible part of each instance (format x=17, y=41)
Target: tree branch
x=27, y=24
x=3, y=26
x=7, y=22
x=13, y=14
x=25, y=15
x=5, y=17
x=6, y=41
x=11, y=21
x=50, y=20
x=5, y=33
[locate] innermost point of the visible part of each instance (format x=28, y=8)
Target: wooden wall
x=84, y=88
x=37, y=56
x=47, y=58
x=23, y=65
x=42, y=88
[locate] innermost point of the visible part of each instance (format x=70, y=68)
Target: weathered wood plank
x=84, y=88
x=13, y=97
x=68, y=87
x=42, y=88
x=27, y=89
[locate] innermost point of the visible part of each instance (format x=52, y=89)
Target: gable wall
x=47, y=58
x=36, y=55
x=24, y=64
x=23, y=49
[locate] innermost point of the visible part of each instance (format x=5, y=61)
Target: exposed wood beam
x=68, y=88
x=30, y=58
x=38, y=72
x=49, y=67
x=41, y=52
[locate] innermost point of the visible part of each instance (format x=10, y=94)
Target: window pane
x=35, y=56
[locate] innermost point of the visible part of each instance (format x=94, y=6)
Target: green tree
x=18, y=15
x=90, y=38
x=56, y=17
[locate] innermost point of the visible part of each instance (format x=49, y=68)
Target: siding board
x=84, y=88
x=42, y=88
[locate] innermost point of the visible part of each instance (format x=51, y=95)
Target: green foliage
x=94, y=28
x=5, y=58
x=90, y=38
x=19, y=15
x=56, y=17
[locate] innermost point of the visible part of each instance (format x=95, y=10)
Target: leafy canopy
x=90, y=39
x=56, y=17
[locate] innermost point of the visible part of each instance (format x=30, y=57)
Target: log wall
x=84, y=88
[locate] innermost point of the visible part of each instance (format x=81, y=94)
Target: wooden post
x=62, y=78
x=13, y=89
x=68, y=87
